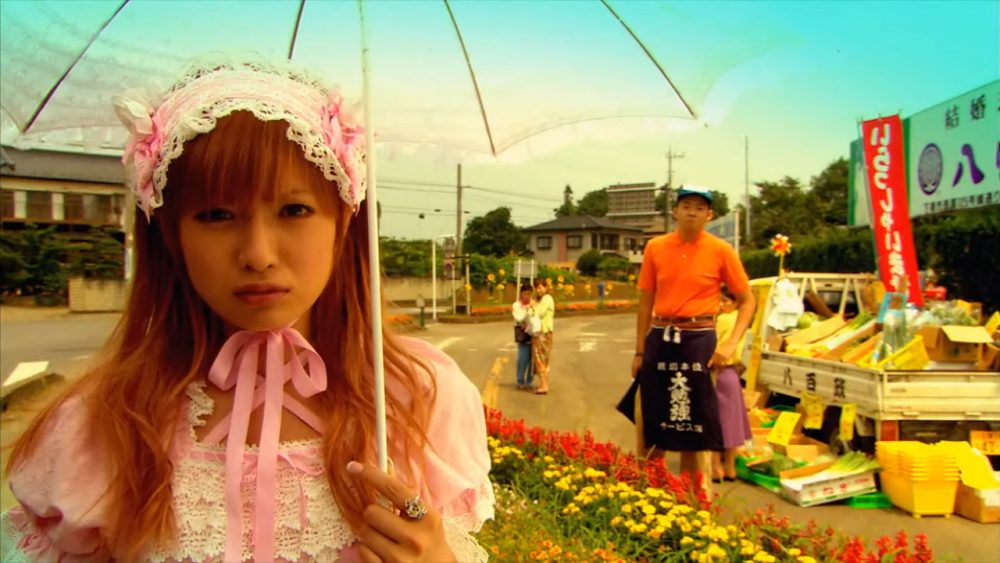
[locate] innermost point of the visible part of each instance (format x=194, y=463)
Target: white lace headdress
x=317, y=118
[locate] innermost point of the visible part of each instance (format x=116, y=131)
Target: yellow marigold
x=648, y=509
x=655, y=533
x=639, y=528
x=502, y=272
x=695, y=555
x=687, y=540
x=616, y=520
x=491, y=277
x=704, y=514
x=560, y=279
x=764, y=557
x=627, y=508
x=805, y=559
x=794, y=552
x=631, y=277
x=548, y=459
x=715, y=551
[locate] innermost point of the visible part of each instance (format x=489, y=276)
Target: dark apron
x=680, y=410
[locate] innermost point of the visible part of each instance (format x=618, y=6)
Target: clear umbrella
x=463, y=79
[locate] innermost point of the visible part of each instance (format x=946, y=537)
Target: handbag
x=626, y=405
x=521, y=336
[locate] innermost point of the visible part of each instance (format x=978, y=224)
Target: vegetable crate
x=804, y=492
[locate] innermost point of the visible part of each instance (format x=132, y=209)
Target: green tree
x=827, y=197
x=35, y=255
x=406, y=258
x=568, y=207
x=594, y=203
x=614, y=267
x=494, y=234
x=588, y=262
x=782, y=208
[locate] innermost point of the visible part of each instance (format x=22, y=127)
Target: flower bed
x=564, y=497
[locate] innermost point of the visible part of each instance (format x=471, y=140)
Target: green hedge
x=961, y=247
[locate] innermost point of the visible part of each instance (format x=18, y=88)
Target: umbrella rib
x=649, y=54
x=472, y=73
x=69, y=69
x=295, y=32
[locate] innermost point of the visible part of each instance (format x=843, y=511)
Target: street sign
x=449, y=267
x=449, y=247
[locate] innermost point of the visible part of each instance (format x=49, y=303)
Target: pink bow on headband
x=342, y=132
x=145, y=142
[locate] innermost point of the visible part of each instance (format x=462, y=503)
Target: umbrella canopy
x=461, y=78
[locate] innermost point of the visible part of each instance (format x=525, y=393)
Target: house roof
x=581, y=223
x=54, y=165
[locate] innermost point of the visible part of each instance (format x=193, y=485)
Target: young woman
x=232, y=415
x=732, y=409
x=545, y=309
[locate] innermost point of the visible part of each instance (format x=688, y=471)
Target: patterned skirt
x=680, y=409
x=542, y=350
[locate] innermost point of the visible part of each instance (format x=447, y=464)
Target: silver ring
x=415, y=508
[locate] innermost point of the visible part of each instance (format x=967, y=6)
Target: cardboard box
x=775, y=342
x=989, y=358
x=817, y=331
x=827, y=490
x=981, y=505
x=953, y=343
x=802, y=448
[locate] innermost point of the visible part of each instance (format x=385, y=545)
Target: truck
x=928, y=405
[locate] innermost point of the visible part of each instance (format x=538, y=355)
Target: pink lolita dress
x=222, y=505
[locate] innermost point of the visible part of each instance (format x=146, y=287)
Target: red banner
x=897, y=257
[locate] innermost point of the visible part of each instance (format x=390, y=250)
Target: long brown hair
x=167, y=338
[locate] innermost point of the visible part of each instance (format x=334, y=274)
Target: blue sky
x=811, y=71
x=792, y=76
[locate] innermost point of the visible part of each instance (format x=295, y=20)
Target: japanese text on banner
x=897, y=257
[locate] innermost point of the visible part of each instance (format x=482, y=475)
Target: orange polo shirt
x=685, y=276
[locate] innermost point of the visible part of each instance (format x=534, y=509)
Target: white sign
x=953, y=153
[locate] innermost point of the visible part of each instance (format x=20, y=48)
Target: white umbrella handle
x=373, y=251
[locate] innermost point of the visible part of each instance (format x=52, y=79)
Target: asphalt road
x=590, y=362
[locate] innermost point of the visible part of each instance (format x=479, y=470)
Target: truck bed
x=887, y=395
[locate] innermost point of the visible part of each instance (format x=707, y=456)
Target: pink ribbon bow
x=236, y=365
x=344, y=135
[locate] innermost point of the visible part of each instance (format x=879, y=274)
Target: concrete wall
x=92, y=296
x=407, y=289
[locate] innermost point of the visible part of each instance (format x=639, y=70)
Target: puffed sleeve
x=60, y=487
x=455, y=479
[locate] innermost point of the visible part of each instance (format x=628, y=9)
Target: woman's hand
x=722, y=353
x=389, y=536
x=636, y=364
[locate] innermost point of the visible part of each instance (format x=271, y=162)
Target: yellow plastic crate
x=920, y=498
x=912, y=357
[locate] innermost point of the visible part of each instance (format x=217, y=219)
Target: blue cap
x=695, y=190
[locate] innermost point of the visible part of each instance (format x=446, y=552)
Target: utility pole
x=458, y=216
x=671, y=155
x=746, y=180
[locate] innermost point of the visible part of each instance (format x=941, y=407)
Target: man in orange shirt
x=682, y=273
